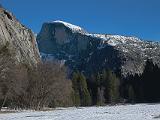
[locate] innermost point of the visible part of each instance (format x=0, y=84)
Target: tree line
x=106, y=87
x=48, y=85
x=101, y=89
x=45, y=85
x=143, y=87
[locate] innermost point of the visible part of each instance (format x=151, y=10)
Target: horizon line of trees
x=143, y=87
x=48, y=85
x=106, y=88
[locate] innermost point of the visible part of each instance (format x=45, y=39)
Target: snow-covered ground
x=121, y=112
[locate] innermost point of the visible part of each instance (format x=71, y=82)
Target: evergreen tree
x=100, y=96
x=151, y=82
x=99, y=80
x=75, y=85
x=131, y=94
x=100, y=88
x=144, y=86
x=81, y=90
x=92, y=86
x=112, y=87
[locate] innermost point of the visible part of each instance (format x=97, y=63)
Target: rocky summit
x=19, y=41
x=91, y=53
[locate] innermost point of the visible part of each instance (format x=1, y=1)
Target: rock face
x=91, y=53
x=19, y=40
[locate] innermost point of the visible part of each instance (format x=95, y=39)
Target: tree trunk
x=4, y=101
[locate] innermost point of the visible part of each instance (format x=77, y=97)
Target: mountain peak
x=85, y=50
x=74, y=28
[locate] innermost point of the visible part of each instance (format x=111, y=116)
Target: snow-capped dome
x=107, y=39
x=74, y=28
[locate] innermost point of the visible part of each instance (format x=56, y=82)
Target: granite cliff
x=16, y=39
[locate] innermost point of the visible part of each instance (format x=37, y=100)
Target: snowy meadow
x=119, y=112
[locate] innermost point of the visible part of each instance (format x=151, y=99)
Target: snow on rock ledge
x=74, y=28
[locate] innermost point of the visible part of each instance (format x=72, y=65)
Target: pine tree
x=100, y=96
x=75, y=95
x=100, y=88
x=84, y=93
x=151, y=82
x=131, y=94
x=81, y=92
x=112, y=87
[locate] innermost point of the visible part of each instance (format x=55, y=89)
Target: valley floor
x=120, y=112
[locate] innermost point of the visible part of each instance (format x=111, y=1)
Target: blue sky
x=139, y=18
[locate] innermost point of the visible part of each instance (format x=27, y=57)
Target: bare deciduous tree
x=32, y=87
x=50, y=85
